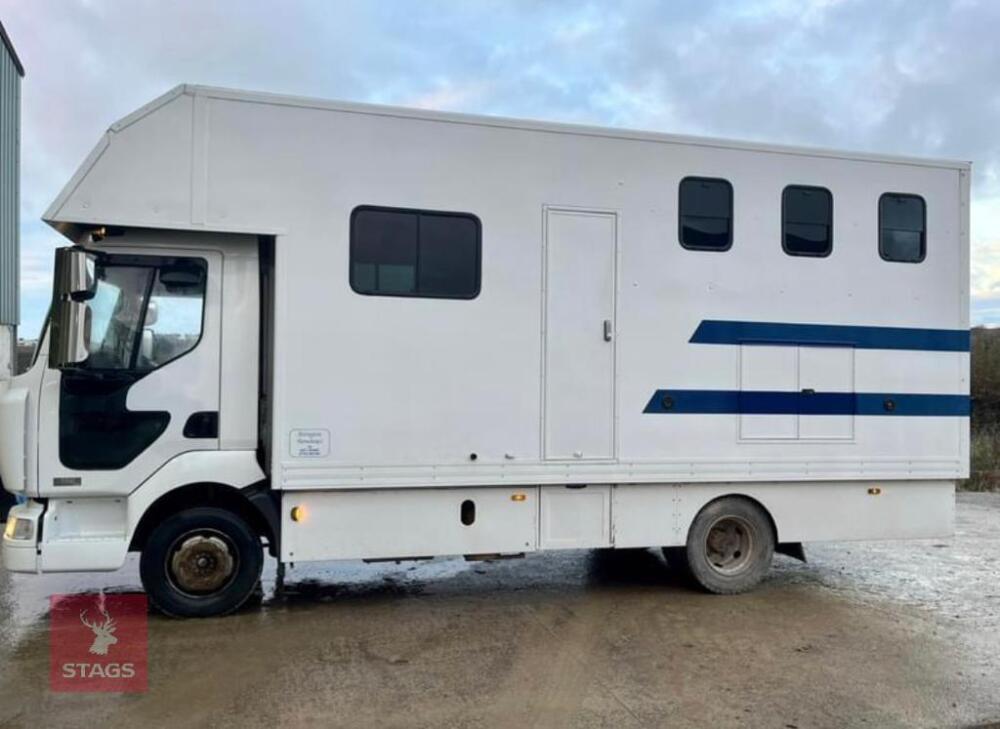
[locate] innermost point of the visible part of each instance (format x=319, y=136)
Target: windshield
x=38, y=343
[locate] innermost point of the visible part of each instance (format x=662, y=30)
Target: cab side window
x=145, y=314
x=173, y=321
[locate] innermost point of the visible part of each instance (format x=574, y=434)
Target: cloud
x=449, y=95
x=872, y=75
x=985, y=268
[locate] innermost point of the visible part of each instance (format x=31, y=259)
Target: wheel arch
x=794, y=550
x=744, y=497
x=255, y=503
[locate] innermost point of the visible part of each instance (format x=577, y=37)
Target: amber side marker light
x=298, y=513
x=518, y=497
x=874, y=491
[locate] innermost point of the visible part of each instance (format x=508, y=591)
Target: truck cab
x=150, y=336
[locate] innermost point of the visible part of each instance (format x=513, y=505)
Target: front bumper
x=80, y=535
x=23, y=521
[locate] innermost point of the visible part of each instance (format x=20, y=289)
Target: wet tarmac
x=865, y=634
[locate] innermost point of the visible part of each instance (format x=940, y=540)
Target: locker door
x=826, y=369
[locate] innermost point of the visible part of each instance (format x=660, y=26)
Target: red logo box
x=98, y=643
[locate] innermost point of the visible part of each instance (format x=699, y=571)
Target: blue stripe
x=752, y=332
x=773, y=402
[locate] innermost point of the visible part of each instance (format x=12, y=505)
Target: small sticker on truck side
x=310, y=443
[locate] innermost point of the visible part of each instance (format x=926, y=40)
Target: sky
x=914, y=78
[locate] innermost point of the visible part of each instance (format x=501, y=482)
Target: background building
x=11, y=72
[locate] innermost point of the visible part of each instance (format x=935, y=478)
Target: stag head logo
x=104, y=631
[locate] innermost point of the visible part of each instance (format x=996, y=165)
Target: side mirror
x=69, y=333
x=74, y=283
x=74, y=274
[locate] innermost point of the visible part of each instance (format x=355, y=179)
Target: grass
x=985, y=459
x=985, y=446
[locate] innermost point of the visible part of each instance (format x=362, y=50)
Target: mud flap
x=795, y=550
x=267, y=502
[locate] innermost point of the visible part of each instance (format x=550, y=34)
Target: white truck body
x=598, y=387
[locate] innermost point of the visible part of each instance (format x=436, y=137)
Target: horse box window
x=706, y=214
x=404, y=252
x=806, y=221
x=902, y=228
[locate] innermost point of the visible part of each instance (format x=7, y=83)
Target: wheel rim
x=202, y=562
x=729, y=545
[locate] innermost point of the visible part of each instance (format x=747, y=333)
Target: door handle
x=607, y=330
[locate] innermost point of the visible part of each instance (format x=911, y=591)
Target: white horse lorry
x=340, y=331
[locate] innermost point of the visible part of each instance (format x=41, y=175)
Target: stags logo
x=98, y=643
x=104, y=632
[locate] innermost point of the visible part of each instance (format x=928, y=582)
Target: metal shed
x=11, y=72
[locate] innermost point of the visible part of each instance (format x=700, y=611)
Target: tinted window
x=706, y=214
x=399, y=252
x=902, y=234
x=384, y=252
x=807, y=221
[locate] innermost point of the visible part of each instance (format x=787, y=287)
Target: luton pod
x=338, y=331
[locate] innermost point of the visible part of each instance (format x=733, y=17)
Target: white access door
x=579, y=334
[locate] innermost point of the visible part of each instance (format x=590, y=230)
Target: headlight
x=19, y=529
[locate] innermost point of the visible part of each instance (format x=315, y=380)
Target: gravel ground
x=866, y=634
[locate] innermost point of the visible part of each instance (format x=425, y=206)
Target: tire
x=201, y=562
x=730, y=546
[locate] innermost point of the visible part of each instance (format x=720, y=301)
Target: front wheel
x=730, y=546
x=201, y=562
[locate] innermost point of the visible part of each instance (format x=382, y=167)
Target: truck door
x=149, y=387
x=579, y=324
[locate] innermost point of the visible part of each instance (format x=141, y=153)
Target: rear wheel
x=730, y=546
x=201, y=562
